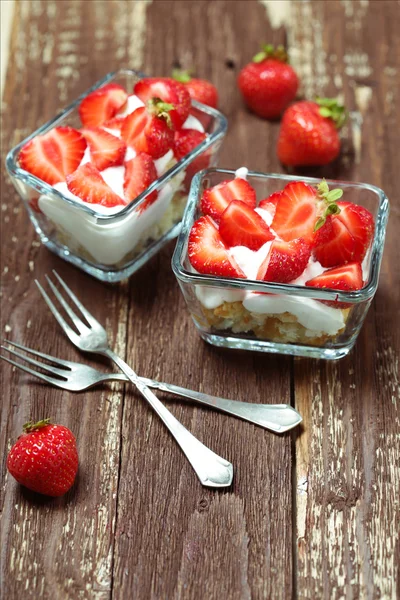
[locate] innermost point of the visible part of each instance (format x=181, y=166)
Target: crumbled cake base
x=283, y=328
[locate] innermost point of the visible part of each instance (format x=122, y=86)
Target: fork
x=211, y=469
x=76, y=377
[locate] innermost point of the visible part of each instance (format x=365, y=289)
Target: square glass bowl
x=113, y=246
x=274, y=317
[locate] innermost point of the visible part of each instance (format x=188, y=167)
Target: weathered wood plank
x=346, y=457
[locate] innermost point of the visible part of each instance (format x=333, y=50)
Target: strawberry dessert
x=126, y=141
x=300, y=235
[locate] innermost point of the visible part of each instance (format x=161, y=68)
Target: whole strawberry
x=309, y=133
x=268, y=83
x=44, y=458
x=199, y=89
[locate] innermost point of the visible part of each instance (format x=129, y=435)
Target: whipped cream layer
x=109, y=242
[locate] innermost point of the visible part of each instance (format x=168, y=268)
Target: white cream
x=193, y=123
x=242, y=173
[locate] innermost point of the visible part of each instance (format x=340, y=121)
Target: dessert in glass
x=106, y=181
x=275, y=263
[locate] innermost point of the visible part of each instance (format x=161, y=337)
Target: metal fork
x=211, y=469
x=76, y=377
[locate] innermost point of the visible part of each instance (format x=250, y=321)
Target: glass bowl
x=275, y=317
x=113, y=246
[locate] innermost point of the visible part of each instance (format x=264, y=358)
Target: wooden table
x=310, y=515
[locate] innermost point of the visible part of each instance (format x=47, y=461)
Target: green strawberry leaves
x=328, y=198
x=31, y=426
x=331, y=109
x=181, y=75
x=268, y=51
x=160, y=109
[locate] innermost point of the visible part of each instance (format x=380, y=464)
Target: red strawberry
x=296, y=212
x=106, y=150
x=207, y=252
x=240, y=225
x=140, y=172
x=268, y=83
x=309, y=133
x=186, y=140
x=285, y=261
x=347, y=278
x=102, y=104
x=44, y=458
x=52, y=156
x=302, y=210
x=168, y=90
x=148, y=129
x=334, y=245
x=87, y=183
x=215, y=200
x=360, y=223
x=199, y=89
x=272, y=199
x=114, y=123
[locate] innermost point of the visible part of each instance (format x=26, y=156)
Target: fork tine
x=79, y=324
x=57, y=361
x=32, y=361
x=52, y=380
x=90, y=319
x=74, y=337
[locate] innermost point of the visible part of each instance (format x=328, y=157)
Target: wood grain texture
x=138, y=524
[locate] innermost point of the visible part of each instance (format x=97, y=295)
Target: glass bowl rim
x=365, y=293
x=41, y=186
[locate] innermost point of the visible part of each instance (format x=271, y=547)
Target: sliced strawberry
x=114, y=123
x=240, y=225
x=102, y=104
x=272, y=199
x=216, y=199
x=106, y=150
x=296, y=212
x=140, y=172
x=187, y=140
x=52, y=156
x=146, y=132
x=207, y=252
x=285, y=261
x=347, y=278
x=87, y=183
x=333, y=244
x=168, y=90
x=360, y=224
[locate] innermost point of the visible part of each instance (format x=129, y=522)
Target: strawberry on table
x=102, y=104
x=140, y=172
x=240, y=225
x=87, y=183
x=285, y=261
x=54, y=155
x=149, y=129
x=44, y=458
x=106, y=150
x=169, y=91
x=216, y=199
x=199, y=89
x=268, y=83
x=347, y=278
x=309, y=133
x=208, y=253
x=302, y=209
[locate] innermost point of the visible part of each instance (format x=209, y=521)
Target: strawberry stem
x=328, y=199
x=31, y=426
x=181, y=75
x=160, y=109
x=331, y=109
x=268, y=51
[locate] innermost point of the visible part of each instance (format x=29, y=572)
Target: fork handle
x=211, y=469
x=276, y=417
